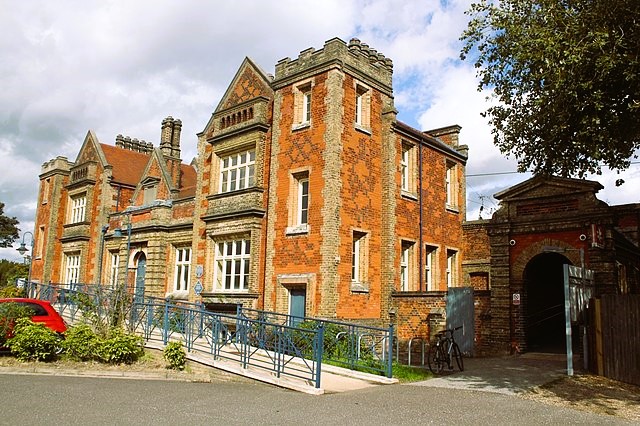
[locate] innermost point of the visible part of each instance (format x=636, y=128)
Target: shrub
x=82, y=343
x=177, y=319
x=9, y=313
x=336, y=342
x=120, y=347
x=174, y=354
x=33, y=341
x=12, y=291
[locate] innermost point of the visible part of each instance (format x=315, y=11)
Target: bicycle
x=443, y=351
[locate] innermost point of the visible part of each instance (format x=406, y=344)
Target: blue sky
x=121, y=66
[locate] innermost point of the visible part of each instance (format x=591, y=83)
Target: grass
x=406, y=373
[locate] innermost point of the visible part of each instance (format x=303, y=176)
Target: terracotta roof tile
x=189, y=178
x=128, y=166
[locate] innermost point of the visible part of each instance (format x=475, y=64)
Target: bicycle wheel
x=436, y=359
x=458, y=356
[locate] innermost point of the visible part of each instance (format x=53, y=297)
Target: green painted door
x=297, y=303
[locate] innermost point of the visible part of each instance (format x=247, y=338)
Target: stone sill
x=409, y=195
x=358, y=287
x=362, y=129
x=298, y=230
x=300, y=126
x=178, y=295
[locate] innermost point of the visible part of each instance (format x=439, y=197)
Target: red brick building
x=307, y=197
x=514, y=261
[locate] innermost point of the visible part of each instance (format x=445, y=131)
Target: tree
x=10, y=271
x=8, y=228
x=566, y=75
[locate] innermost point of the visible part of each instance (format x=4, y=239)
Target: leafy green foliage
x=120, y=347
x=12, y=291
x=176, y=317
x=175, y=355
x=82, y=343
x=9, y=272
x=8, y=228
x=33, y=342
x=336, y=345
x=115, y=347
x=406, y=373
x=9, y=314
x=89, y=308
x=566, y=77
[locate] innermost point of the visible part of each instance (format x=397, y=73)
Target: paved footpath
x=505, y=375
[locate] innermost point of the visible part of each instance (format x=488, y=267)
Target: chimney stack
x=166, y=136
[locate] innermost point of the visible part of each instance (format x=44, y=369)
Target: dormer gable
x=250, y=82
x=155, y=182
x=245, y=103
x=90, y=156
x=91, y=150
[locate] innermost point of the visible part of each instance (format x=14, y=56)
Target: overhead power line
x=514, y=172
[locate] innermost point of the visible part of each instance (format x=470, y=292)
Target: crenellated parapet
x=59, y=164
x=356, y=57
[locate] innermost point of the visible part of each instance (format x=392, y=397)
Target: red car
x=43, y=312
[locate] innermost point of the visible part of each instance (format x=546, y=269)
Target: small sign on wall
x=516, y=299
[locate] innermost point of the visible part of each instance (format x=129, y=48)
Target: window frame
x=77, y=208
x=452, y=267
x=359, y=257
x=362, y=119
x=430, y=265
x=114, y=269
x=222, y=260
x=404, y=168
x=406, y=265
x=149, y=193
x=182, y=269
x=355, y=259
x=451, y=182
x=299, y=194
x=72, y=268
x=45, y=190
x=243, y=172
x=408, y=166
x=303, y=198
x=302, y=105
x=40, y=242
x=306, y=106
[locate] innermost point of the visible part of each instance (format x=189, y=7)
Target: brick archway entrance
x=544, y=321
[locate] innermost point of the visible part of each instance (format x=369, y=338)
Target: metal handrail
x=346, y=346
x=286, y=350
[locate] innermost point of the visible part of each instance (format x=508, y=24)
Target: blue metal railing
x=284, y=344
x=285, y=350
x=354, y=346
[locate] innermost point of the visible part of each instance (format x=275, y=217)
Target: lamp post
x=23, y=250
x=105, y=228
x=122, y=286
x=118, y=234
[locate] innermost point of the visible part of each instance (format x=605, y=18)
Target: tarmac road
x=38, y=400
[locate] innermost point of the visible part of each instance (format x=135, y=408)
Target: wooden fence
x=615, y=337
